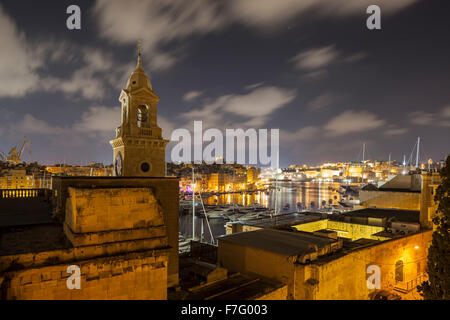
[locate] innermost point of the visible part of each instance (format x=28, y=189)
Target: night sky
x=310, y=68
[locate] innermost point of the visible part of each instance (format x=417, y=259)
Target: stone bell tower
x=139, y=149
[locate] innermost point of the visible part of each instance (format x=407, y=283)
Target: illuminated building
x=16, y=179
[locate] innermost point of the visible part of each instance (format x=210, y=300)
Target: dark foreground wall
x=164, y=189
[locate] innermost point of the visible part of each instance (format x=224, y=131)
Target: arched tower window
x=142, y=117
x=399, y=271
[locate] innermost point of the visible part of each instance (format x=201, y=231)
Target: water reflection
x=310, y=195
x=305, y=195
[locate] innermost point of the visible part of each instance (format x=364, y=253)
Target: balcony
x=408, y=286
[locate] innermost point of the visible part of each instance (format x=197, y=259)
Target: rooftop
x=32, y=239
x=410, y=216
x=234, y=286
x=283, y=220
x=397, y=190
x=24, y=211
x=286, y=243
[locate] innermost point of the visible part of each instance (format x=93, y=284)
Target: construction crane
x=3, y=156
x=15, y=157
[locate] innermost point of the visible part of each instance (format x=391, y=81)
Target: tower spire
x=139, y=47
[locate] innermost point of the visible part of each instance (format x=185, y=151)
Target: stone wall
x=390, y=199
x=164, y=190
x=100, y=210
x=341, y=276
x=278, y=294
x=118, y=237
x=248, y=260
x=428, y=207
x=140, y=276
x=345, y=278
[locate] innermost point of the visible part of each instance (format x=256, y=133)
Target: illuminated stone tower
x=139, y=149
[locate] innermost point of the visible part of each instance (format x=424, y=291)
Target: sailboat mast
x=276, y=182
x=193, y=203
x=364, y=152
x=389, y=165
x=234, y=174
x=417, y=155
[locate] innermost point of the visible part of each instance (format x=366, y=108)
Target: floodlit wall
x=390, y=199
x=345, y=278
x=248, y=260
x=341, y=276
x=344, y=229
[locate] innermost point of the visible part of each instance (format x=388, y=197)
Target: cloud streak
x=352, y=121
x=243, y=110
x=315, y=58
x=440, y=118
x=192, y=95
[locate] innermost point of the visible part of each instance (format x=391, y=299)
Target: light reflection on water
x=312, y=195
x=304, y=195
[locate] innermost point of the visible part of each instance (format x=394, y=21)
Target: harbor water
x=292, y=196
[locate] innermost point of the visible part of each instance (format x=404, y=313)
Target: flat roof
x=397, y=190
x=288, y=243
x=32, y=239
x=282, y=220
x=24, y=211
x=235, y=287
x=411, y=216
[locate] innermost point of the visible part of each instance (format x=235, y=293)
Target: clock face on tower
x=118, y=165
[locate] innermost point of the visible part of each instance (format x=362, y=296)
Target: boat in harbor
x=183, y=244
x=215, y=214
x=253, y=216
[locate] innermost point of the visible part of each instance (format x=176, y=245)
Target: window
x=142, y=116
x=399, y=271
x=145, y=167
